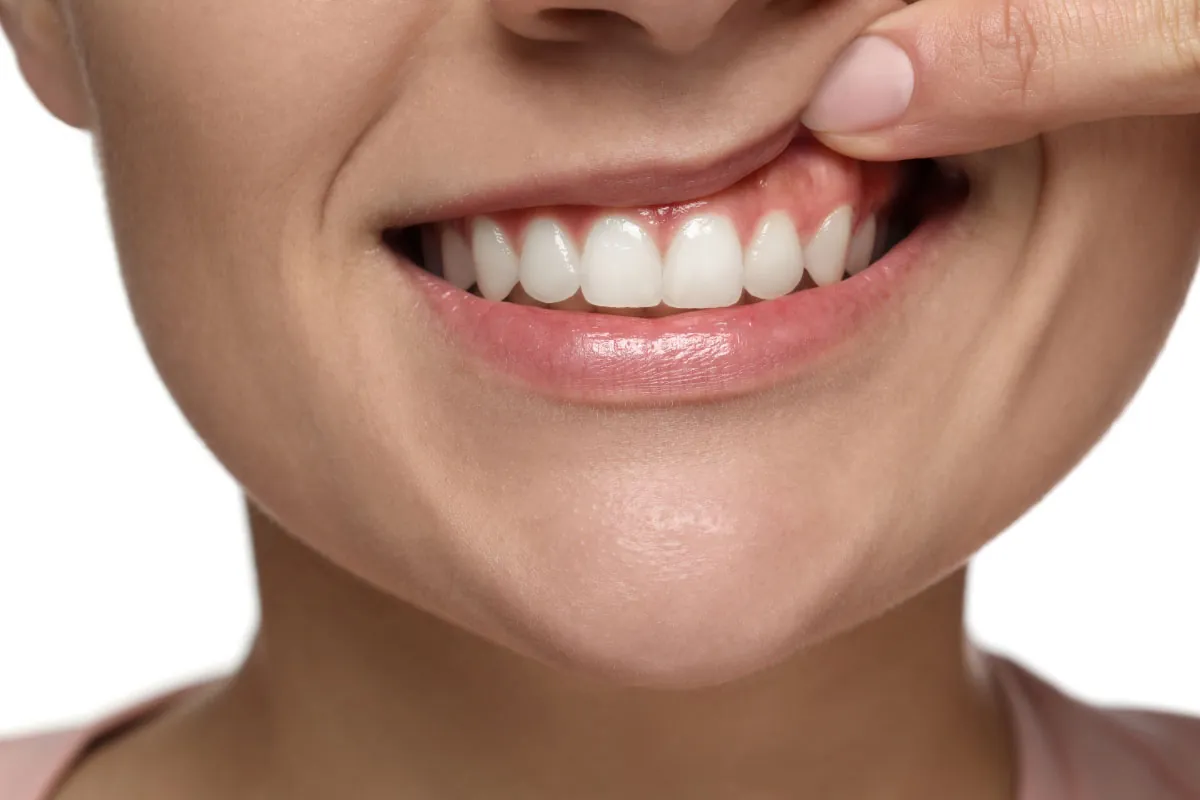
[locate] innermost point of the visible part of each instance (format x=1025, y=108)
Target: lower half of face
x=563, y=332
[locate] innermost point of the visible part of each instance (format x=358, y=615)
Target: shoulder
x=33, y=766
x=1070, y=750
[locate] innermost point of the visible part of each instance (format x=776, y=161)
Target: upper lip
x=659, y=180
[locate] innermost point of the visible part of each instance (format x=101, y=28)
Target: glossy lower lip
x=697, y=356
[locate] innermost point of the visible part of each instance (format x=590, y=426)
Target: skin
x=468, y=590
x=991, y=73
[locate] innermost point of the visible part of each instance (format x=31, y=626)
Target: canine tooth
x=862, y=243
x=825, y=256
x=620, y=267
x=495, y=261
x=549, y=265
x=703, y=267
x=458, y=266
x=774, y=259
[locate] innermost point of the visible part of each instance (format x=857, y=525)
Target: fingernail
x=868, y=86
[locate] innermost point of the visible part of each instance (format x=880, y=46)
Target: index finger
x=942, y=77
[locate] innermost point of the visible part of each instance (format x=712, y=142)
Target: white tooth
x=774, y=259
x=549, y=268
x=703, y=267
x=825, y=256
x=495, y=261
x=861, y=246
x=620, y=267
x=458, y=266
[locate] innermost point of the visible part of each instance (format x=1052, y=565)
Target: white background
x=124, y=561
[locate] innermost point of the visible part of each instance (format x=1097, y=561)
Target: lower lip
x=698, y=356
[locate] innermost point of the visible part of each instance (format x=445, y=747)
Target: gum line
x=807, y=181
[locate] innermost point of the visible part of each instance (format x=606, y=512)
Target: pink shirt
x=1066, y=750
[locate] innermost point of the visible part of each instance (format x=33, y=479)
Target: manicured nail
x=867, y=87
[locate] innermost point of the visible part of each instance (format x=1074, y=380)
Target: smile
x=698, y=299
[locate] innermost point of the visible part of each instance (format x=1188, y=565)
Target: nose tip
x=676, y=27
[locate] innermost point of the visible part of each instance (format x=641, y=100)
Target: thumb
x=942, y=77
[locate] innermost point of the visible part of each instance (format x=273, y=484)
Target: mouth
x=699, y=299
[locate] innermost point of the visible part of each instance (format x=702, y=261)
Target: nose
x=677, y=27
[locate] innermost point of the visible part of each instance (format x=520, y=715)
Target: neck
x=345, y=686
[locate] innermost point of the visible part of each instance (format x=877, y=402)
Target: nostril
x=674, y=27
x=579, y=20
x=577, y=15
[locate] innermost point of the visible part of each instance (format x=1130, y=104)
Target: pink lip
x=657, y=181
x=700, y=355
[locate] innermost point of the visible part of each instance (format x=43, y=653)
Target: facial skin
x=249, y=153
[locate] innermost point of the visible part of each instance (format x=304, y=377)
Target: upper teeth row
x=706, y=265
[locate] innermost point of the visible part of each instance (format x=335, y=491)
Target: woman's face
x=660, y=501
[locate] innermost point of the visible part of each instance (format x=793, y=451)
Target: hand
x=942, y=77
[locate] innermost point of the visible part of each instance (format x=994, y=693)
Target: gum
x=808, y=181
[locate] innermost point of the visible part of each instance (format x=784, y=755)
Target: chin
x=697, y=640
x=680, y=603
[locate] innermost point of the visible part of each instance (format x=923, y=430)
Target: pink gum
x=808, y=181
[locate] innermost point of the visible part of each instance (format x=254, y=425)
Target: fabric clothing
x=1066, y=749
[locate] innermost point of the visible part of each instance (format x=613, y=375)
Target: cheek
x=1120, y=238
x=1107, y=265
x=232, y=125
x=219, y=135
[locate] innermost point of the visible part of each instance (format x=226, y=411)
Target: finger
x=952, y=76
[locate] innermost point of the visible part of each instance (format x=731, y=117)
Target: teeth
x=495, y=261
x=862, y=244
x=774, y=259
x=458, y=266
x=825, y=256
x=703, y=267
x=620, y=267
x=549, y=266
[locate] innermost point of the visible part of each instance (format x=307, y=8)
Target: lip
x=698, y=356
x=657, y=180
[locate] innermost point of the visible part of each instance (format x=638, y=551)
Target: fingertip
x=870, y=85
